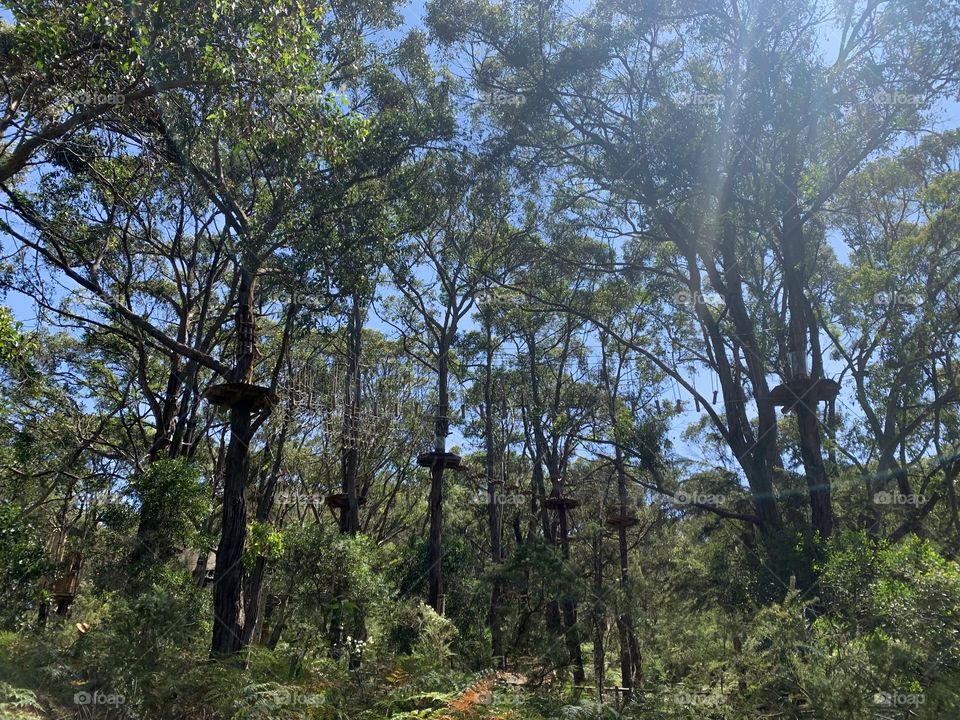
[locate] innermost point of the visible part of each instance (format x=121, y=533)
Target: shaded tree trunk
x=350, y=456
x=808, y=426
x=441, y=428
x=493, y=509
x=571, y=631
x=228, y=578
x=599, y=617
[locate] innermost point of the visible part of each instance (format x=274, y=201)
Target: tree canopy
x=476, y=359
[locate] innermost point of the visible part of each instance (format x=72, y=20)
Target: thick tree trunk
x=758, y=453
x=551, y=532
x=818, y=484
x=629, y=650
x=599, y=617
x=350, y=458
x=803, y=331
x=228, y=578
x=254, y=587
x=435, y=549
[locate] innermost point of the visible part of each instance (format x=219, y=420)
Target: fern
x=587, y=710
x=417, y=706
x=17, y=703
x=271, y=700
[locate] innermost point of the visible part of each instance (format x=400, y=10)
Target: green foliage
x=15, y=345
x=272, y=699
x=173, y=498
x=123, y=650
x=668, y=192
x=17, y=703
x=23, y=562
x=416, y=629
x=263, y=540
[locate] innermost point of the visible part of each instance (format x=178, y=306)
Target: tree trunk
x=228, y=578
x=808, y=427
x=253, y=590
x=818, y=484
x=629, y=650
x=572, y=632
x=599, y=617
x=350, y=457
x=493, y=508
x=441, y=427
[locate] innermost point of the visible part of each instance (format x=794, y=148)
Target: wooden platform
x=227, y=395
x=447, y=460
x=340, y=501
x=555, y=502
x=805, y=390
x=619, y=521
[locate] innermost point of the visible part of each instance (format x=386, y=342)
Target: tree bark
x=441, y=427
x=228, y=577
x=493, y=508
x=350, y=457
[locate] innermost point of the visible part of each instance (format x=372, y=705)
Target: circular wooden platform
x=619, y=521
x=447, y=460
x=555, y=503
x=227, y=395
x=341, y=502
x=805, y=390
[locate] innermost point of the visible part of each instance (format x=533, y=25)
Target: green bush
x=23, y=562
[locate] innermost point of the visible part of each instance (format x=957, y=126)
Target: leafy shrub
x=23, y=561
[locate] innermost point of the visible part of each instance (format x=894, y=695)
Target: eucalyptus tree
x=265, y=158
x=493, y=447
x=894, y=327
x=65, y=417
x=70, y=69
x=558, y=399
x=631, y=392
x=715, y=138
x=438, y=275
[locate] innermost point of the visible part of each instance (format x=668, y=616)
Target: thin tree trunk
x=493, y=509
x=350, y=458
x=599, y=617
x=441, y=427
x=572, y=632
